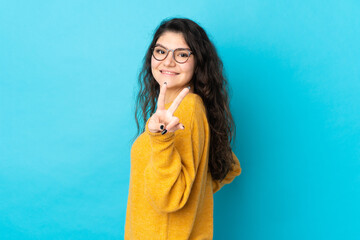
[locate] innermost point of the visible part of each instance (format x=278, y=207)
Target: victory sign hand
x=163, y=120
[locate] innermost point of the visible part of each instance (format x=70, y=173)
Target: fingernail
x=163, y=132
x=161, y=127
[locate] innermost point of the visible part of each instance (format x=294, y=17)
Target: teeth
x=168, y=72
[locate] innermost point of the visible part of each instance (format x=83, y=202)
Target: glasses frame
x=171, y=50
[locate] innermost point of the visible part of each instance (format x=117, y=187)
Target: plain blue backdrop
x=68, y=78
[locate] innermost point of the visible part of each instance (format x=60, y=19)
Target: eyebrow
x=158, y=44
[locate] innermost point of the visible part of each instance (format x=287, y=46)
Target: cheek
x=189, y=69
x=154, y=71
x=153, y=66
x=154, y=63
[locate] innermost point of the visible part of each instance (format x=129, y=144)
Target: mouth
x=169, y=73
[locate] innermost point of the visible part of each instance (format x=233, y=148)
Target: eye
x=183, y=54
x=159, y=50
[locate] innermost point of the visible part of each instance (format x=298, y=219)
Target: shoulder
x=192, y=102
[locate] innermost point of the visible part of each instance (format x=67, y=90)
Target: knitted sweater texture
x=171, y=189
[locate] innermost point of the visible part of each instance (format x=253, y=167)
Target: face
x=176, y=75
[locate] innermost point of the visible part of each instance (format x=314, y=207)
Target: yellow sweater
x=171, y=189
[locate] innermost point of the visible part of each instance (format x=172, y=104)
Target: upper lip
x=165, y=70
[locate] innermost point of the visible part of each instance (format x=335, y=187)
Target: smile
x=168, y=73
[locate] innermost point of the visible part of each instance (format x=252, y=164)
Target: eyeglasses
x=180, y=55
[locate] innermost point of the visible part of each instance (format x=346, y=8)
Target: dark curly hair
x=208, y=82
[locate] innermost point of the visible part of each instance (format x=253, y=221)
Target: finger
x=177, y=127
x=180, y=126
x=154, y=128
x=161, y=98
x=155, y=125
x=158, y=127
x=178, y=100
x=171, y=126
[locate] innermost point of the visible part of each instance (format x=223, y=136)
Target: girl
x=183, y=155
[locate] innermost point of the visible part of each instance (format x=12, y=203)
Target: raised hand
x=163, y=120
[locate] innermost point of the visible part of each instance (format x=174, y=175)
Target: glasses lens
x=181, y=56
x=159, y=53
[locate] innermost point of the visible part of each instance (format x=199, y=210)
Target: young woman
x=183, y=154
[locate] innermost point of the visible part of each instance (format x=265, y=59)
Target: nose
x=169, y=60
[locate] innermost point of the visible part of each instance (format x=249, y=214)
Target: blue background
x=68, y=79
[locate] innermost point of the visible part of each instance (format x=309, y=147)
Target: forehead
x=172, y=40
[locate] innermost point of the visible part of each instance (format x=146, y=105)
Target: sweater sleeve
x=175, y=157
x=217, y=185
